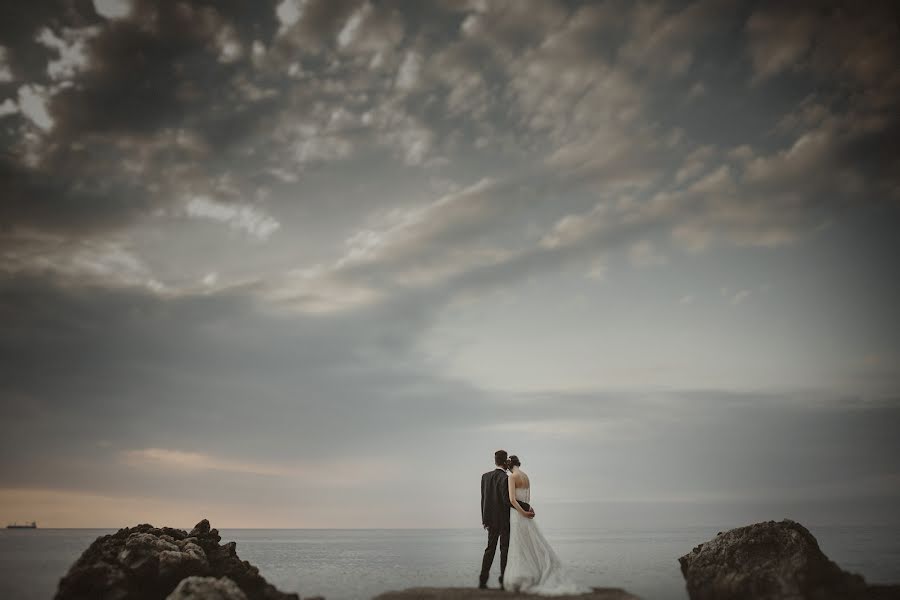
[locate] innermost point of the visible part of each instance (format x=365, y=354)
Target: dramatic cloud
x=297, y=250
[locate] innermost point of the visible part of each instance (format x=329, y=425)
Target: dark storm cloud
x=155, y=91
x=21, y=22
x=34, y=198
x=140, y=80
x=161, y=68
x=167, y=100
x=851, y=54
x=537, y=78
x=539, y=137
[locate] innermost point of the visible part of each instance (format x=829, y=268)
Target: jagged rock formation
x=771, y=561
x=147, y=563
x=495, y=594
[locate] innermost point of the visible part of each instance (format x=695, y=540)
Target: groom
x=495, y=507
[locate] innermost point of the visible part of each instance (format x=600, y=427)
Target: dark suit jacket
x=494, y=498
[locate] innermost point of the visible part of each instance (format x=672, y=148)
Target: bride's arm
x=511, y=482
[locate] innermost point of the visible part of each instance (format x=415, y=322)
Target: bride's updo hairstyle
x=512, y=461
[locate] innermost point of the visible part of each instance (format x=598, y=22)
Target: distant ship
x=31, y=525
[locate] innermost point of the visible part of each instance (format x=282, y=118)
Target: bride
x=532, y=566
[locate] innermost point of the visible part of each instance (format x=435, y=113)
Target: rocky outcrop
x=496, y=594
x=771, y=561
x=206, y=588
x=153, y=563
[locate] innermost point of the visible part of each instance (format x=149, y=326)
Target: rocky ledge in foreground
x=772, y=561
x=159, y=563
x=496, y=594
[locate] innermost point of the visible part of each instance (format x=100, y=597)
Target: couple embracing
x=527, y=562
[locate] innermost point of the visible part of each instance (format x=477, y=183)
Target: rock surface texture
x=149, y=563
x=206, y=588
x=771, y=561
x=495, y=594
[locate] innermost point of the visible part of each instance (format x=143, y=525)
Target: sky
x=308, y=263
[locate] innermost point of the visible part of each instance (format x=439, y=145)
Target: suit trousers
x=495, y=533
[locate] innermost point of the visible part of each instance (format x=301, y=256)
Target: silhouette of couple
x=527, y=561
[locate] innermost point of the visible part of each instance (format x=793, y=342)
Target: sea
x=349, y=564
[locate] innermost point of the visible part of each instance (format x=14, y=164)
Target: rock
x=99, y=580
x=495, y=594
x=149, y=563
x=175, y=565
x=200, y=529
x=770, y=561
x=207, y=588
x=140, y=555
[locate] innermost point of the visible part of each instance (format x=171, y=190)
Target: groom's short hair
x=500, y=458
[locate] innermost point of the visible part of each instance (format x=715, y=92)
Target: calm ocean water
x=351, y=564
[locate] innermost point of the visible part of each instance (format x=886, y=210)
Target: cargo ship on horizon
x=31, y=525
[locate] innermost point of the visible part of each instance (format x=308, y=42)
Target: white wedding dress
x=532, y=566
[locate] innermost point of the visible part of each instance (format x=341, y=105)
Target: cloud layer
x=291, y=248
